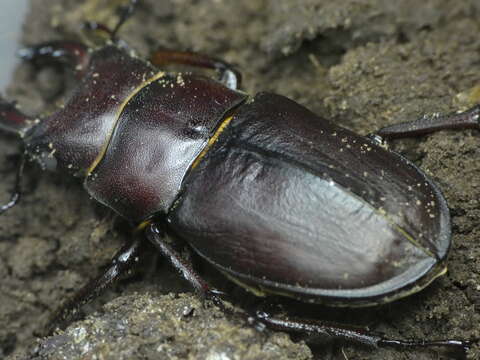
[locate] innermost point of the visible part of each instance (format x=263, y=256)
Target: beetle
x=259, y=186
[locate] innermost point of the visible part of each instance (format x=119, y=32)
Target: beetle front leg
x=228, y=75
x=15, y=122
x=17, y=190
x=121, y=263
x=469, y=119
x=314, y=329
x=125, y=13
x=71, y=53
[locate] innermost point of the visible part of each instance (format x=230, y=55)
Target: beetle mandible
x=259, y=186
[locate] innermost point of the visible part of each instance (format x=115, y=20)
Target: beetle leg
x=314, y=329
x=125, y=13
x=469, y=119
x=158, y=239
x=356, y=335
x=228, y=75
x=71, y=53
x=13, y=121
x=122, y=262
x=17, y=190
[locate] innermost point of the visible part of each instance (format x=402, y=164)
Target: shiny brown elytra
x=260, y=187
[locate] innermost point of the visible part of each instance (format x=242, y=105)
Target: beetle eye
x=195, y=132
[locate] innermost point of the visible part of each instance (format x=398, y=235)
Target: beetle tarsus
x=215, y=296
x=458, y=348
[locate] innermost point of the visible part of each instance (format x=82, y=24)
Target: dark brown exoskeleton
x=260, y=187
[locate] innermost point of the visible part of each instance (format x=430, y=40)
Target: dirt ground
x=364, y=64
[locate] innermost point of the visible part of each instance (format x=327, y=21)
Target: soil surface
x=363, y=64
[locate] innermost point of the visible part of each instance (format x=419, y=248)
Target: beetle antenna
x=125, y=14
x=17, y=190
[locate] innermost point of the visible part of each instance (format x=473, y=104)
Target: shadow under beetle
x=260, y=187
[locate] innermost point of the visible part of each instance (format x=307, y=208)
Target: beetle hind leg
x=469, y=119
x=316, y=329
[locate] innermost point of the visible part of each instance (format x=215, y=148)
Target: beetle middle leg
x=121, y=264
x=158, y=239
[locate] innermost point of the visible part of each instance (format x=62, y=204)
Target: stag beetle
x=260, y=187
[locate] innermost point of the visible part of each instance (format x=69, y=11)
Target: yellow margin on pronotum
x=142, y=226
x=117, y=117
x=212, y=141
